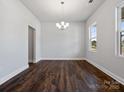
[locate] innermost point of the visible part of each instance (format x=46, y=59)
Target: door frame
x=34, y=44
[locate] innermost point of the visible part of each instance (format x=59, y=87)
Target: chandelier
x=62, y=25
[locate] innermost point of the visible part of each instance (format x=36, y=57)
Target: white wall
x=14, y=21
x=105, y=56
x=55, y=44
x=68, y=44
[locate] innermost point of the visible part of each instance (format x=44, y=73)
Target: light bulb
x=62, y=23
x=67, y=24
x=58, y=25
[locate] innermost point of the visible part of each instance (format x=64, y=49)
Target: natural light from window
x=122, y=38
x=93, y=37
x=120, y=33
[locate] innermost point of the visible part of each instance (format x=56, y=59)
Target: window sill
x=93, y=51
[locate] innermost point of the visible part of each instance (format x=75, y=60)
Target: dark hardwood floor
x=65, y=76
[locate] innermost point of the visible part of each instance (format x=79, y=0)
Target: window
x=93, y=37
x=120, y=30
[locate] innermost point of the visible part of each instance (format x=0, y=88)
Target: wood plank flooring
x=61, y=76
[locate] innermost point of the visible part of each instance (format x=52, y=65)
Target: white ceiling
x=51, y=10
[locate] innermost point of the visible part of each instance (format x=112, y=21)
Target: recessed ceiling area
x=51, y=10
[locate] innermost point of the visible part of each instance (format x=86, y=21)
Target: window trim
x=118, y=30
x=90, y=49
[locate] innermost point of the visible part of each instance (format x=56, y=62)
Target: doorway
x=31, y=45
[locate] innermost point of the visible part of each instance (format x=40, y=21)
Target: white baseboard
x=38, y=60
x=114, y=76
x=119, y=79
x=62, y=58
x=11, y=75
x=33, y=61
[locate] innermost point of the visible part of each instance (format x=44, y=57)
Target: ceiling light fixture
x=62, y=25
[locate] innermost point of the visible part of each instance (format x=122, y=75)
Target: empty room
x=61, y=45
